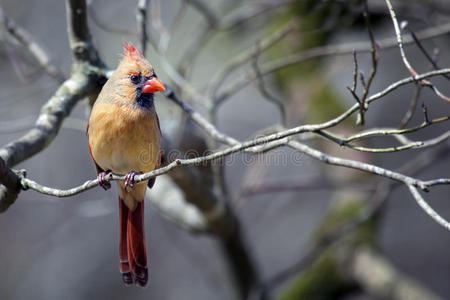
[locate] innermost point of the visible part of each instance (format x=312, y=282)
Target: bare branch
x=399, y=38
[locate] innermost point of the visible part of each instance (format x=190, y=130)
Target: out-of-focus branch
x=206, y=11
x=236, y=17
x=169, y=200
x=209, y=128
x=27, y=42
x=141, y=20
x=249, y=11
x=218, y=78
x=233, y=19
x=379, y=277
x=107, y=26
x=329, y=50
x=344, y=257
x=10, y=187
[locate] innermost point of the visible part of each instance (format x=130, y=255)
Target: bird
x=124, y=137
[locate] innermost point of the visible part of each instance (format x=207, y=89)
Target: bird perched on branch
x=124, y=138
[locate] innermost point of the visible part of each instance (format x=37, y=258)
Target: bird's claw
x=103, y=180
x=129, y=179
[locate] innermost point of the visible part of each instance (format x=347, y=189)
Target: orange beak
x=153, y=85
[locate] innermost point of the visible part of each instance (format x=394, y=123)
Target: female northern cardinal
x=124, y=138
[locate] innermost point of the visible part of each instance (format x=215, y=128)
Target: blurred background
x=67, y=248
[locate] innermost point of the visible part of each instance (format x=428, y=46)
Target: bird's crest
x=131, y=52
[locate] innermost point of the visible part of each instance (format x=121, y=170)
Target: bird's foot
x=129, y=179
x=103, y=180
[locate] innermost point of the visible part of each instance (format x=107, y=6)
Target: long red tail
x=132, y=251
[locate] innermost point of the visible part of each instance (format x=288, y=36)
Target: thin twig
x=399, y=38
x=403, y=55
x=427, y=208
x=374, y=56
x=355, y=80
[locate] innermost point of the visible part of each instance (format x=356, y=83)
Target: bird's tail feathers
x=132, y=250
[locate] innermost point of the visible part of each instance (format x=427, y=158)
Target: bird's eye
x=135, y=78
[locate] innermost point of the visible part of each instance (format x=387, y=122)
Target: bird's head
x=136, y=78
